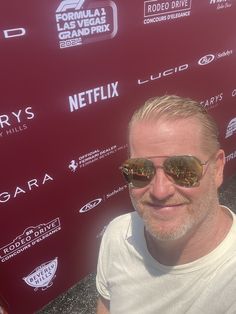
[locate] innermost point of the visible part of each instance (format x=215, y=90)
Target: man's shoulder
x=121, y=221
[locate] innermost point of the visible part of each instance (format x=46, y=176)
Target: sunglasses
x=185, y=171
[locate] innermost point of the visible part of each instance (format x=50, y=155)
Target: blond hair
x=172, y=107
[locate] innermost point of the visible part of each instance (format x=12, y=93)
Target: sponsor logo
x=93, y=156
x=81, y=22
x=211, y=57
x=225, y=53
x=231, y=129
x=14, y=32
x=90, y=205
x=206, y=59
x=93, y=95
x=183, y=67
x=94, y=203
x=231, y=156
x=234, y=93
x=159, y=10
x=30, y=237
x=73, y=165
x=42, y=276
x=212, y=102
x=221, y=4
x=15, y=121
x=116, y=191
x=28, y=186
x=162, y=74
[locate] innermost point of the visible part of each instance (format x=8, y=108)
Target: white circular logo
x=206, y=59
x=90, y=205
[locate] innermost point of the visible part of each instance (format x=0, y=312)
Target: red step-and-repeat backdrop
x=72, y=72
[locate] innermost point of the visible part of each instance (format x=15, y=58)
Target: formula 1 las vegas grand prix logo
x=85, y=21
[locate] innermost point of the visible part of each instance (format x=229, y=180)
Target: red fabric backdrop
x=72, y=74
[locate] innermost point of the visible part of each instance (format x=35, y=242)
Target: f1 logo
x=70, y=4
x=14, y=32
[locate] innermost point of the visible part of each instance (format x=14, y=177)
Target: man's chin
x=165, y=233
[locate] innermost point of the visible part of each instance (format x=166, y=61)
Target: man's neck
x=193, y=245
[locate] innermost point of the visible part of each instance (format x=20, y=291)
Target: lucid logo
x=14, y=32
x=165, y=73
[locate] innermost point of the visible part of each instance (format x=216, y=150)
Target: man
x=2, y=311
x=177, y=252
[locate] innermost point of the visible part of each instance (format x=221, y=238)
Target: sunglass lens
x=184, y=170
x=138, y=171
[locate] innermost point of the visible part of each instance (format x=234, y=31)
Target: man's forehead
x=169, y=135
x=165, y=125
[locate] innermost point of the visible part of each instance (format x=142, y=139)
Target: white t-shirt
x=135, y=283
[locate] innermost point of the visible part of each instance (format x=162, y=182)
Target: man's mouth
x=166, y=209
x=165, y=205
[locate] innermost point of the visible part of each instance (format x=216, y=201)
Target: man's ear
x=219, y=167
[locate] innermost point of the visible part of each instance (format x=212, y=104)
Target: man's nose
x=161, y=187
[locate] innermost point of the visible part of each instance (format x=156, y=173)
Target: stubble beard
x=198, y=213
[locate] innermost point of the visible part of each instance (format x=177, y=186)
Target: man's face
x=168, y=210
